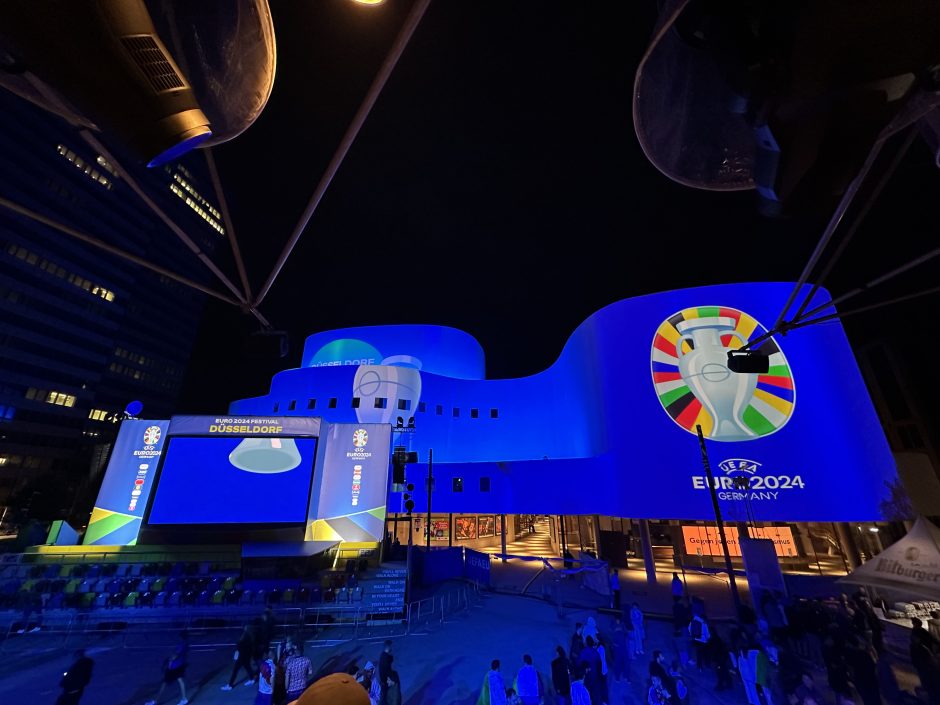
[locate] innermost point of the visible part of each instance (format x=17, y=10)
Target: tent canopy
x=911, y=565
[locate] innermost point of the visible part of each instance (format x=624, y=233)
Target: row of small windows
x=382, y=403
x=457, y=484
x=45, y=265
x=50, y=397
x=141, y=376
x=197, y=208
x=86, y=167
x=195, y=194
x=144, y=361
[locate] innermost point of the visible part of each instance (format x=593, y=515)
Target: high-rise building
x=83, y=332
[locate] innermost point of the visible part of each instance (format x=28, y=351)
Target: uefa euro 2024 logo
x=151, y=435
x=360, y=438
x=689, y=364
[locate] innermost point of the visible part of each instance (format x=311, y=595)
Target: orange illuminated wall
x=704, y=540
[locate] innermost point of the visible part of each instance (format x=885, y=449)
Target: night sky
x=497, y=187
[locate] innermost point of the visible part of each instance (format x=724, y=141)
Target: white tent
x=910, y=565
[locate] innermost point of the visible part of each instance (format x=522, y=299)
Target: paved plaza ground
x=444, y=663
x=440, y=664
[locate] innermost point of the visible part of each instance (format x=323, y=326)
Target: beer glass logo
x=689, y=363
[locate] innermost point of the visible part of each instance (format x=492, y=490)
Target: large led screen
x=234, y=481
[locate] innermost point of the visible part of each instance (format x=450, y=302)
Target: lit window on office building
x=85, y=167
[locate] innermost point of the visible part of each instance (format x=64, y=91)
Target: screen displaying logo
x=360, y=438
x=689, y=364
x=152, y=435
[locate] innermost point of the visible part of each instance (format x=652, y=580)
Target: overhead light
x=400, y=422
x=368, y=2
x=873, y=529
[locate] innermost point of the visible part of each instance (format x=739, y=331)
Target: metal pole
x=111, y=249
x=721, y=526
x=430, y=487
x=646, y=543
x=502, y=523
x=411, y=536
x=411, y=23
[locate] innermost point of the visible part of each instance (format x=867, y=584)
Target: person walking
x=614, y=588
x=698, y=630
x=528, y=684
x=926, y=660
x=718, y=655
x=75, y=679
x=265, y=679
x=603, y=689
x=493, y=691
x=621, y=655
x=577, y=643
x=561, y=677
x=244, y=650
x=590, y=661
x=297, y=672
x=174, y=670
x=579, y=692
x=677, y=588
x=385, y=667
x=639, y=628
x=267, y=628
x=863, y=665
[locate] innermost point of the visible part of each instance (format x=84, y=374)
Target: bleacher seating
x=118, y=584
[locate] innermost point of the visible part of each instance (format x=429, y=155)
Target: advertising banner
x=476, y=566
x=128, y=480
x=244, y=426
x=350, y=490
x=705, y=541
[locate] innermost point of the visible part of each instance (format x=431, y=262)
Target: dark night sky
x=497, y=187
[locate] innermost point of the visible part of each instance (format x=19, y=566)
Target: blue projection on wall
x=609, y=428
x=234, y=480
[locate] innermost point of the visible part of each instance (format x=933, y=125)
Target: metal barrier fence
x=320, y=626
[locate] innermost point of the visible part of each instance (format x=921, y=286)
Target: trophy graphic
x=397, y=378
x=689, y=365
x=265, y=455
x=724, y=394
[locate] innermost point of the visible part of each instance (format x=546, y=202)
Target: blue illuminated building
x=609, y=428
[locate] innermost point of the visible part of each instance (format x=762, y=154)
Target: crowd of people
x=772, y=649
x=775, y=649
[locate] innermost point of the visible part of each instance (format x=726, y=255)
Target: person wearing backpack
x=698, y=630
x=265, y=679
x=174, y=669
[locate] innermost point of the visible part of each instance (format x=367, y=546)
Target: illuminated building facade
x=610, y=427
